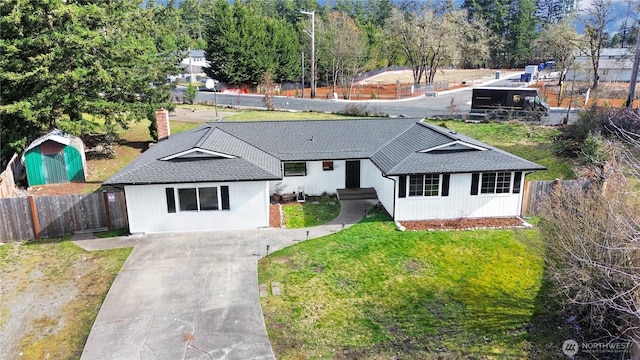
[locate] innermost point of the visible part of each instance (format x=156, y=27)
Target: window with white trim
x=209, y=198
x=493, y=183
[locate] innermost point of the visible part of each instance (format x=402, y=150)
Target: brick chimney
x=162, y=123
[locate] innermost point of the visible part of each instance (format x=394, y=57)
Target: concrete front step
x=357, y=194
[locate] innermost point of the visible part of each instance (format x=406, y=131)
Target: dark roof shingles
x=394, y=145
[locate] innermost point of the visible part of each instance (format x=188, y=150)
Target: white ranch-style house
x=222, y=175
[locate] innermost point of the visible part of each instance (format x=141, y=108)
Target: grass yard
x=74, y=283
x=532, y=142
x=300, y=215
x=371, y=292
x=132, y=143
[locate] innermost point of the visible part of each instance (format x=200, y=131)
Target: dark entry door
x=352, y=179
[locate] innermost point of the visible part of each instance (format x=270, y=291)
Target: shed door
x=55, y=169
x=352, y=178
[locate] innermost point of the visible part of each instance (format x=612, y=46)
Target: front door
x=352, y=178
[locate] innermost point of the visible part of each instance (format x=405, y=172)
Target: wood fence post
x=105, y=201
x=525, y=198
x=34, y=217
x=557, y=185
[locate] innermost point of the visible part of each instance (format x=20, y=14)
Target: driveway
x=184, y=296
x=193, y=295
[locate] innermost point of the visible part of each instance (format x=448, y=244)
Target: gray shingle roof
x=249, y=162
x=403, y=155
x=318, y=139
x=257, y=148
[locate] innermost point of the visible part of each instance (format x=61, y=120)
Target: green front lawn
x=315, y=211
x=371, y=292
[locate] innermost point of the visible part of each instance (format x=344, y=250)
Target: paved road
x=422, y=106
x=193, y=295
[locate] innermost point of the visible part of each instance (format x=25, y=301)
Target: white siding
x=372, y=177
x=147, y=209
x=316, y=181
x=459, y=204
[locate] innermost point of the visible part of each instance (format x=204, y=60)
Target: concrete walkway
x=193, y=295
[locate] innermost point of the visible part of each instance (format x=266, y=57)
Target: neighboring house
x=55, y=158
x=221, y=175
x=194, y=63
x=616, y=64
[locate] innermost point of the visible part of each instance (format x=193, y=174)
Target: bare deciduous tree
x=596, y=17
x=342, y=45
x=402, y=34
x=435, y=37
x=474, y=48
x=559, y=42
x=592, y=239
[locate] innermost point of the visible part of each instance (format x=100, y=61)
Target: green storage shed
x=56, y=157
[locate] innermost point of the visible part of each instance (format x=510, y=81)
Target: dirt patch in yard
x=464, y=224
x=51, y=292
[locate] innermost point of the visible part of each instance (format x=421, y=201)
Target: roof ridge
x=249, y=145
x=371, y=157
x=246, y=142
x=396, y=137
x=310, y=120
x=450, y=133
x=204, y=137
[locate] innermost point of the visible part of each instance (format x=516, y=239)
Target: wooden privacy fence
x=35, y=217
x=8, y=176
x=536, y=192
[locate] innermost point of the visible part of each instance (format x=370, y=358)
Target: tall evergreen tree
x=242, y=45
x=522, y=31
x=554, y=11
x=62, y=59
x=513, y=22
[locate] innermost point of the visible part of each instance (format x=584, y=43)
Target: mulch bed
x=464, y=224
x=275, y=217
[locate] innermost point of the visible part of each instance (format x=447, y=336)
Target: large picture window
x=198, y=199
x=295, y=169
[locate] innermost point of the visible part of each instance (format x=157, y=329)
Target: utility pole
x=634, y=73
x=302, y=95
x=313, y=50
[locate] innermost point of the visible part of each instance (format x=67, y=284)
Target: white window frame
x=494, y=188
x=178, y=207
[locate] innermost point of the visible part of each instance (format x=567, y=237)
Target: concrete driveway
x=184, y=296
x=193, y=295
